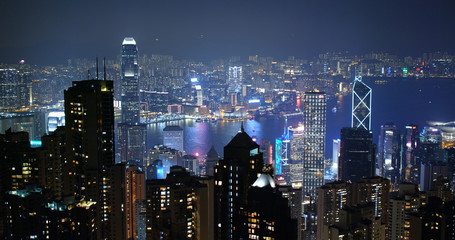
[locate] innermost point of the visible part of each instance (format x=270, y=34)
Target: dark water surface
x=401, y=101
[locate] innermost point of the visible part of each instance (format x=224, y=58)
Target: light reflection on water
x=401, y=101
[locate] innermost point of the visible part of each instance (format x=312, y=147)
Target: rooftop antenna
x=241, y=127
x=104, y=65
x=96, y=68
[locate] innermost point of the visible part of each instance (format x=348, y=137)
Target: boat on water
x=199, y=120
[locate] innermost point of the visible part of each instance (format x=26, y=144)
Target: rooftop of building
x=172, y=128
x=242, y=140
x=129, y=41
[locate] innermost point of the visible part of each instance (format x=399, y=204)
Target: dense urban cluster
x=75, y=163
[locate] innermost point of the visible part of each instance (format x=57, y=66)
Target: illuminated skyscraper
x=234, y=176
x=89, y=170
x=131, y=134
x=314, y=142
x=314, y=115
x=173, y=137
x=135, y=193
x=410, y=168
x=389, y=160
x=281, y=153
x=235, y=78
x=296, y=155
x=130, y=82
x=361, y=104
x=247, y=203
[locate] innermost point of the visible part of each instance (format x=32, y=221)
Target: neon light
x=35, y=143
x=254, y=101
x=278, y=157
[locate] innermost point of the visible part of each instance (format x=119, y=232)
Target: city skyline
x=47, y=32
x=183, y=136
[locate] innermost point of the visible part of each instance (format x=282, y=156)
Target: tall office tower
x=389, y=149
x=332, y=198
x=130, y=82
x=24, y=90
x=314, y=115
x=282, y=147
x=89, y=172
x=336, y=150
x=408, y=200
x=173, y=137
x=361, y=104
x=357, y=155
x=234, y=175
x=235, y=78
x=131, y=134
x=135, y=193
x=296, y=155
x=179, y=207
x=8, y=92
x=211, y=160
x=409, y=166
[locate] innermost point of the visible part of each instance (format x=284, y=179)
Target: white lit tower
x=314, y=114
x=130, y=82
x=131, y=133
x=361, y=104
x=235, y=78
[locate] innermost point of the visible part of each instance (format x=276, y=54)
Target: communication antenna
x=104, y=65
x=96, y=68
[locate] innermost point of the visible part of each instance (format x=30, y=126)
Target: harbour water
x=401, y=101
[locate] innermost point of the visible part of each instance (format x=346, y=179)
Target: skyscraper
x=131, y=134
x=357, y=155
x=235, y=78
x=314, y=142
x=173, y=137
x=89, y=171
x=247, y=203
x=314, y=115
x=234, y=175
x=297, y=154
x=130, y=82
x=389, y=161
x=361, y=104
x=409, y=165
x=135, y=193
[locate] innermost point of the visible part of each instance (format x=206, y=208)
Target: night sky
x=49, y=32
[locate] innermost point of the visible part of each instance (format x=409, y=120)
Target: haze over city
x=52, y=31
